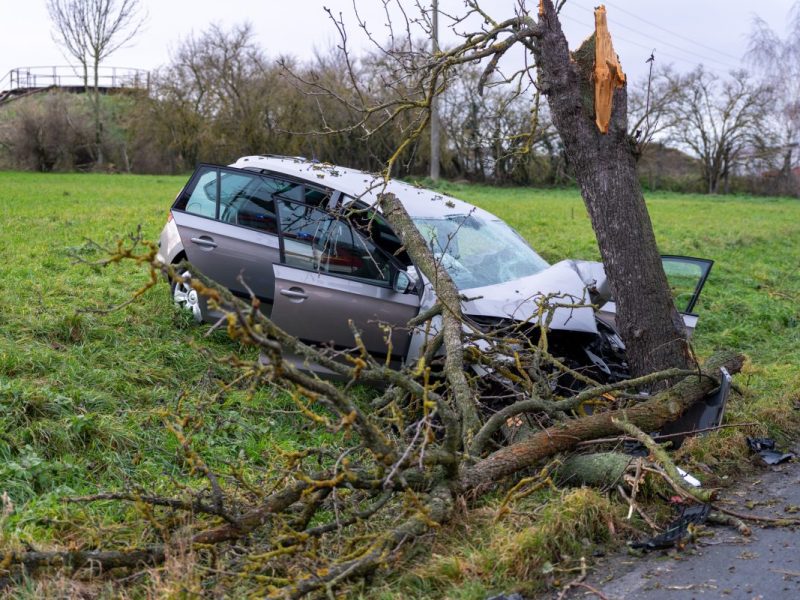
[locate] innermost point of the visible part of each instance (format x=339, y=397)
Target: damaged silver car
x=307, y=241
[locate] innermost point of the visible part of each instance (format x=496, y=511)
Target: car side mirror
x=402, y=282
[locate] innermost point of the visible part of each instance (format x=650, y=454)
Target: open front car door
x=686, y=276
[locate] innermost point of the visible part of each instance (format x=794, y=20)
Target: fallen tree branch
x=452, y=319
x=662, y=458
x=658, y=438
x=436, y=511
x=551, y=407
x=76, y=559
x=194, y=505
x=649, y=415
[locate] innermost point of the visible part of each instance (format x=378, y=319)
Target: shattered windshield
x=477, y=252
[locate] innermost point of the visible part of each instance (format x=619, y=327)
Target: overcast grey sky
x=682, y=32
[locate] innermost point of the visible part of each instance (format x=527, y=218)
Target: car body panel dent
x=593, y=275
x=519, y=299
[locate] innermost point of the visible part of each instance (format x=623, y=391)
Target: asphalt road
x=765, y=565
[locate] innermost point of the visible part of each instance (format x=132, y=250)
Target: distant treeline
x=221, y=98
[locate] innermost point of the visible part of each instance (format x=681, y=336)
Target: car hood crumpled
x=519, y=299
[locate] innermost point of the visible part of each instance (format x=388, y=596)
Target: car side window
x=247, y=200
x=318, y=241
x=289, y=190
x=686, y=277
x=202, y=199
x=299, y=192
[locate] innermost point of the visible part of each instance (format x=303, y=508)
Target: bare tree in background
x=651, y=112
x=91, y=31
x=717, y=120
x=67, y=18
x=490, y=135
x=225, y=78
x=435, y=143
x=778, y=62
x=651, y=106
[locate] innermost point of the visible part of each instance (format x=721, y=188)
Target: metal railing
x=68, y=76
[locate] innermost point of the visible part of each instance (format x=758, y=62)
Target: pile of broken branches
x=434, y=434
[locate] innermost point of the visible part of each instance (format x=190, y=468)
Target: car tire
x=186, y=298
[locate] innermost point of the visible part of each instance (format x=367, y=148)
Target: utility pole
x=434, y=99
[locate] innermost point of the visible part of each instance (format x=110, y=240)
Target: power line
x=676, y=34
x=691, y=60
x=665, y=43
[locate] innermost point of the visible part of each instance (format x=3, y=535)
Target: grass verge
x=84, y=396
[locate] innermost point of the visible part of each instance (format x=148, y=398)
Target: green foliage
x=84, y=396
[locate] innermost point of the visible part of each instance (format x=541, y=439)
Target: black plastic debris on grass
x=634, y=448
x=765, y=448
x=677, y=530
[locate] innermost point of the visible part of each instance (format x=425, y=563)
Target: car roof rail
x=281, y=156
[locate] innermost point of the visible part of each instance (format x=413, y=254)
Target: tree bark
x=603, y=469
x=605, y=168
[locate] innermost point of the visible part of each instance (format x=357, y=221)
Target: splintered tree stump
x=608, y=75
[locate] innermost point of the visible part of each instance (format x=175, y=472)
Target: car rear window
x=201, y=199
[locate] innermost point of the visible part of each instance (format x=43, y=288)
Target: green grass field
x=84, y=395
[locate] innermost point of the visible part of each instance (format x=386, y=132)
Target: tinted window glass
x=317, y=197
x=316, y=240
x=289, y=190
x=247, y=200
x=299, y=192
x=686, y=277
x=202, y=200
x=258, y=214
x=300, y=221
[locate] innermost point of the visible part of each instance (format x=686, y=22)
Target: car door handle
x=205, y=242
x=295, y=294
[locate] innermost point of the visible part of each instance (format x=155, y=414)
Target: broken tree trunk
x=605, y=168
x=608, y=75
x=649, y=416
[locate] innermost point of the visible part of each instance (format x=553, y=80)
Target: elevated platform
x=24, y=81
